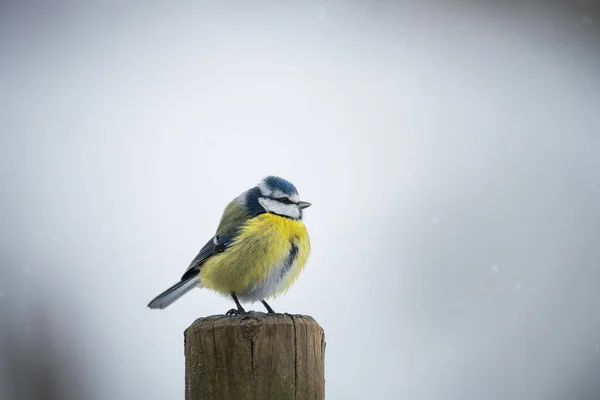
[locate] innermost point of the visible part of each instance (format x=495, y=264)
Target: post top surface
x=251, y=319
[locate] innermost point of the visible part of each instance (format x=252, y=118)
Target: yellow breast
x=249, y=266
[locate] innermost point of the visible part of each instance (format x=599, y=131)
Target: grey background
x=450, y=150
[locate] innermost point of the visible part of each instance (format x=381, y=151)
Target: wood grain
x=255, y=357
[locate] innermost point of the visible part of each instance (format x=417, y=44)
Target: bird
x=258, y=251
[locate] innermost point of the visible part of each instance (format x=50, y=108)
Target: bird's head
x=276, y=195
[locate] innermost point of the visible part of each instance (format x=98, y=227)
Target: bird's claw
x=239, y=311
x=234, y=311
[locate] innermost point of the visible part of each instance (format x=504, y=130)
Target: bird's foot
x=239, y=311
x=268, y=307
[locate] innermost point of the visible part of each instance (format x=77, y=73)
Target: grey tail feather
x=173, y=293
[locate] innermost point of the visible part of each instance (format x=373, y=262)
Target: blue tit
x=258, y=251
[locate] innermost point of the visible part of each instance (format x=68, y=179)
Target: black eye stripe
x=284, y=200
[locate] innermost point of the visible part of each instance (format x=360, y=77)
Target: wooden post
x=256, y=356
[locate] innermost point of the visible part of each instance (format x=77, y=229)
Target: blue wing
x=233, y=218
x=216, y=244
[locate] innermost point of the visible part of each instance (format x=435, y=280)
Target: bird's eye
x=285, y=200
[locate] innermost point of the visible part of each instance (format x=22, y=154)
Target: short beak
x=304, y=204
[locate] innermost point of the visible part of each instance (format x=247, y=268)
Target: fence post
x=256, y=356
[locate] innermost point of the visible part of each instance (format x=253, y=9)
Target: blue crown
x=277, y=183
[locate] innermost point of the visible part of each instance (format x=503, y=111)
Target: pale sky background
x=450, y=150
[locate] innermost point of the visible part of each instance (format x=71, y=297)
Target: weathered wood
x=255, y=357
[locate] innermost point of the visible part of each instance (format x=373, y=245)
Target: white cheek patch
x=273, y=206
